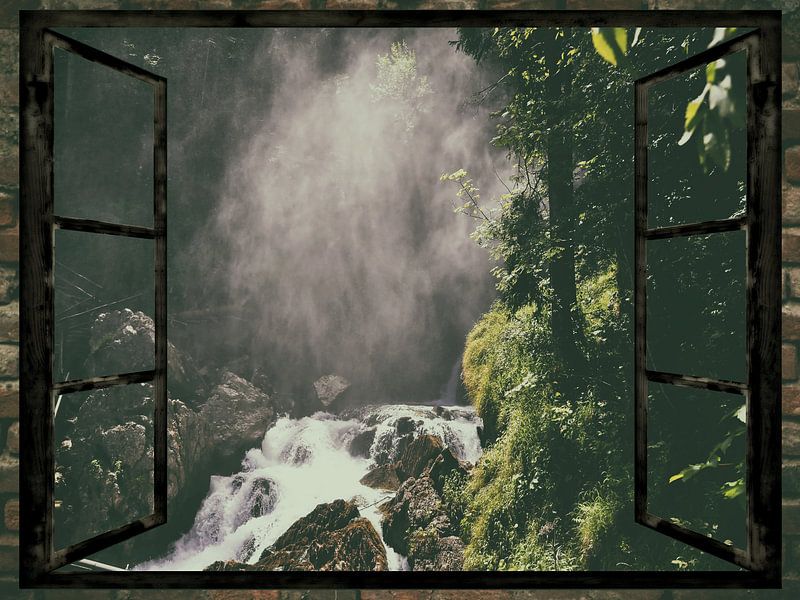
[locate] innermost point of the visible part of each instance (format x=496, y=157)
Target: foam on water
x=302, y=463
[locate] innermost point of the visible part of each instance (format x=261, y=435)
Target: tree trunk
x=562, y=209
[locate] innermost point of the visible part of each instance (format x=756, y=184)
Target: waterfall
x=305, y=462
x=449, y=395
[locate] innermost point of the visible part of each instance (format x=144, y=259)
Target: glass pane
x=103, y=143
x=104, y=461
x=696, y=305
x=696, y=453
x=104, y=305
x=702, y=178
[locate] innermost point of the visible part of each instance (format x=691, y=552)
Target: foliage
x=397, y=82
x=553, y=489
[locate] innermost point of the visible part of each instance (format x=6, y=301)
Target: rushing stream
x=302, y=463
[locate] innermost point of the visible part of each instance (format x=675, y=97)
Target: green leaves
x=714, y=114
x=612, y=42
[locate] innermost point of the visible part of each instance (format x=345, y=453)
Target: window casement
x=761, y=388
x=41, y=219
x=43, y=223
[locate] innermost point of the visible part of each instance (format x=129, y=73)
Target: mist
x=342, y=245
x=309, y=232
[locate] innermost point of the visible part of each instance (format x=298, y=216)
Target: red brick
x=9, y=282
x=791, y=204
x=791, y=321
x=790, y=243
x=245, y=595
x=792, y=164
x=9, y=322
x=792, y=281
x=790, y=121
x=791, y=34
x=790, y=478
x=9, y=474
x=12, y=438
x=515, y=4
x=9, y=165
x=789, y=80
x=790, y=400
x=9, y=244
x=789, y=362
x=11, y=515
x=7, y=209
x=791, y=516
x=9, y=400
x=607, y=4
x=9, y=559
x=9, y=360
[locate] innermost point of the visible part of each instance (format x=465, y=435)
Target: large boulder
x=382, y=477
x=329, y=388
x=332, y=537
x=416, y=505
x=238, y=415
x=415, y=524
x=418, y=455
x=104, y=457
x=122, y=341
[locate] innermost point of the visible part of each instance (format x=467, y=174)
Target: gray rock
x=238, y=415
x=329, y=387
x=416, y=505
x=123, y=341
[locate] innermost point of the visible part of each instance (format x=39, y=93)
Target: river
x=305, y=462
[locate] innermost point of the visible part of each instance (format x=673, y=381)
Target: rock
x=438, y=554
x=229, y=565
x=405, y=425
x=329, y=387
x=332, y=537
x=382, y=477
x=324, y=518
x=238, y=415
x=361, y=444
x=442, y=466
x=416, y=505
x=418, y=455
x=356, y=547
x=123, y=341
x=104, y=457
x=259, y=500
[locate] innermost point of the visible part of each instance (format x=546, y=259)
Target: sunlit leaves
x=397, y=81
x=612, y=42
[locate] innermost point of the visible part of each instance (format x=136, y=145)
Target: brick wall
x=9, y=303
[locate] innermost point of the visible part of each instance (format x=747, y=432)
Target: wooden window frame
x=763, y=223
x=40, y=391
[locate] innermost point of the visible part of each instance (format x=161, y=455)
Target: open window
x=74, y=247
x=67, y=229
x=738, y=232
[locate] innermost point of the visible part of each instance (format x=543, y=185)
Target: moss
x=541, y=496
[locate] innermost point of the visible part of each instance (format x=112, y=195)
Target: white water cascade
x=305, y=462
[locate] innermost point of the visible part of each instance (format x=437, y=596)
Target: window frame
x=761, y=224
x=37, y=216
x=36, y=225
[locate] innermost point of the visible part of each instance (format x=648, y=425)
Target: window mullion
x=718, y=226
x=707, y=383
x=92, y=226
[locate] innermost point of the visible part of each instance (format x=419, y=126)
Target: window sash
x=761, y=224
x=38, y=222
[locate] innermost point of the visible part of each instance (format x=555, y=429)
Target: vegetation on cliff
x=549, y=366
